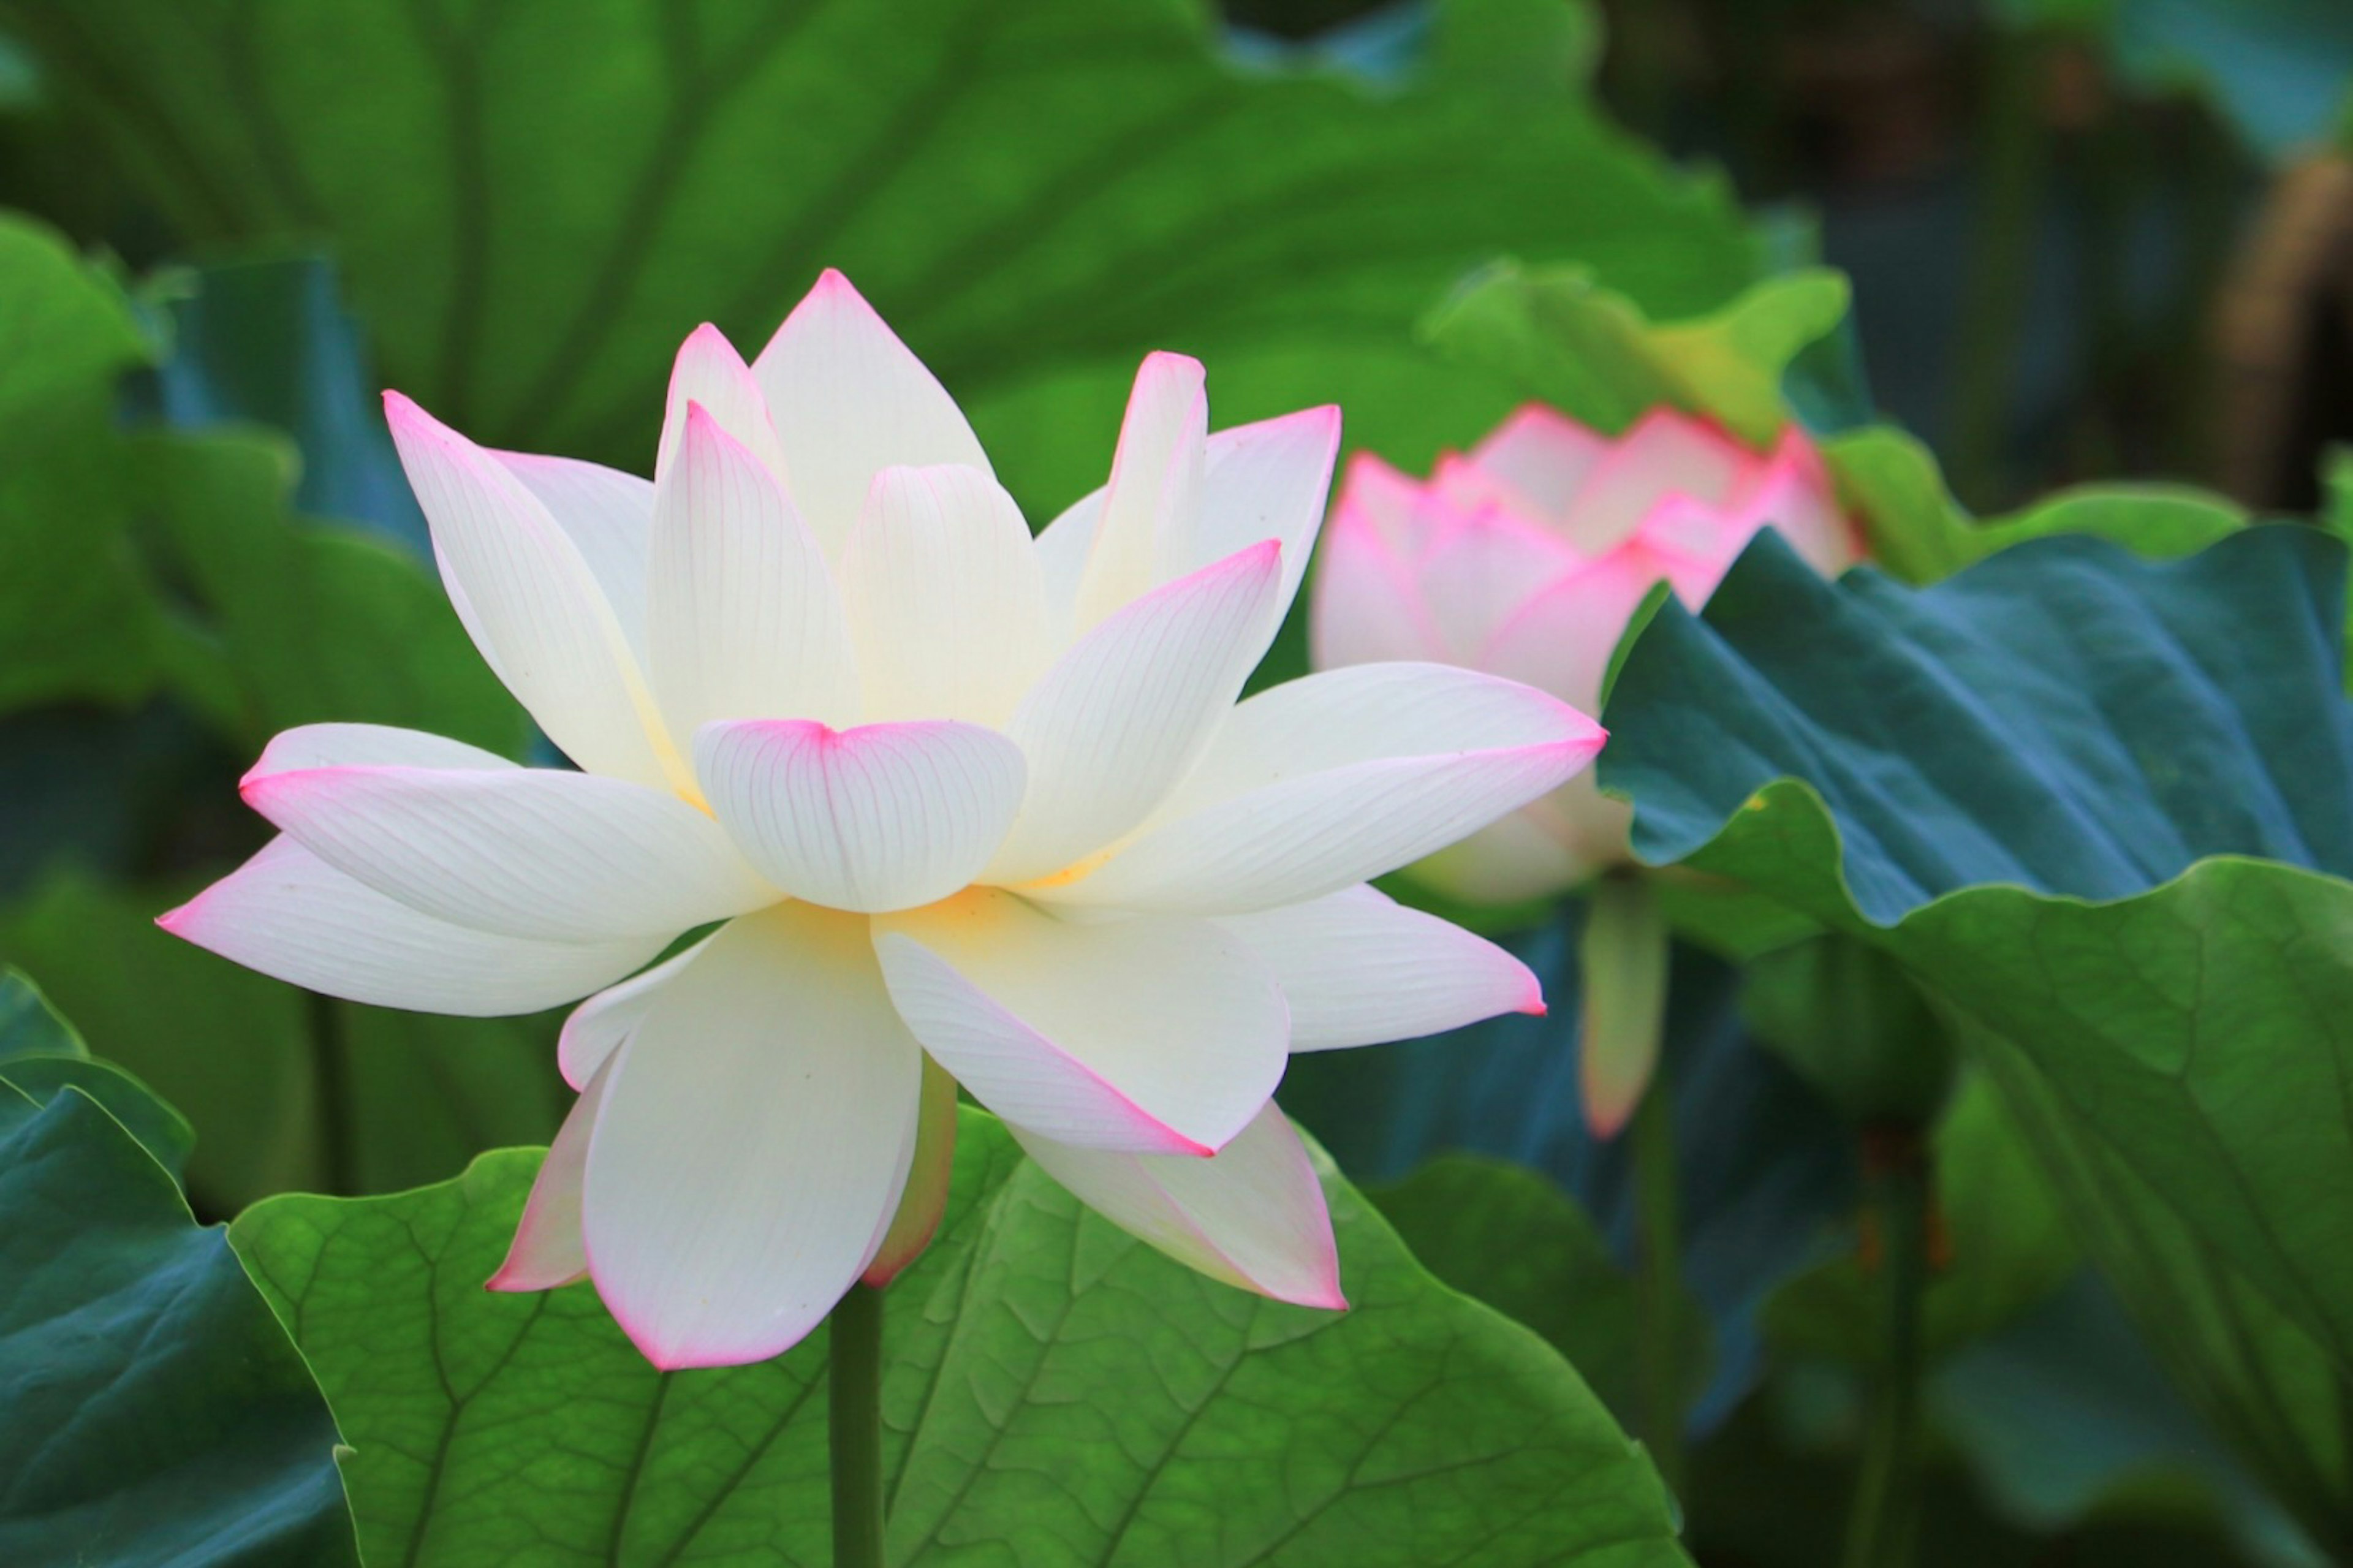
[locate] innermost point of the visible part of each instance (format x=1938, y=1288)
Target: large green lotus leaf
x=76, y=618
x=41, y=1057
x=2043, y=784
x=1057, y=1394
x=1512, y=1238
x=534, y=202
x=156, y=1412
x=285, y=1090
x=1919, y=533
x=1563, y=338
x=30, y=1027
x=301, y=623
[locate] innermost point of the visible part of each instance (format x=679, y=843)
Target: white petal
x=603, y=1023
x=880, y=817
x=290, y=915
x=1253, y=1216
x=1333, y=779
x=946, y=602
x=1359, y=968
x=367, y=745
x=1149, y=1034
x=531, y=604
x=609, y=517
x=743, y=619
x=548, y=1250
x=708, y=372
x=1121, y=716
x=849, y=401
x=752, y=1143
x=1154, y=492
x=528, y=852
x=1260, y=481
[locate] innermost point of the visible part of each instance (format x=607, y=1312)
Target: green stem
x=1659, y=1284
x=1887, y=1495
x=854, y=1387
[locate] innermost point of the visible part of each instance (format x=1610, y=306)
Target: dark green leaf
x=2035, y=785
x=1765, y=1171
x=162, y=1132
x=1056, y=1392
x=30, y=1027
x=156, y=1413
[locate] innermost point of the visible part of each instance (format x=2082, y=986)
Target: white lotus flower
x=972, y=808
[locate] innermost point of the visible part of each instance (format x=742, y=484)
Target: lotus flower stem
x=1896, y=1205
x=854, y=1389
x=1658, y=1286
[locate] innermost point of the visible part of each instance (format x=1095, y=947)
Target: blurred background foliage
x=1988, y=250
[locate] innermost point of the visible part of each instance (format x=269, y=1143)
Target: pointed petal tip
x=172, y=919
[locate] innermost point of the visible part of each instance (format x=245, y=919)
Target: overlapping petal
x=548, y=1249
x=849, y=400
x=1147, y=1034
x=710, y=374
x=1543, y=455
x=1333, y=779
x=603, y=1023
x=290, y=915
x=945, y=597
x=535, y=853
x=1155, y=490
x=1357, y=968
x=1121, y=716
x=1265, y=480
x=609, y=516
x=1253, y=1216
x=1368, y=607
x=879, y=817
x=531, y=604
x=752, y=1142
x=743, y=619
x=1665, y=452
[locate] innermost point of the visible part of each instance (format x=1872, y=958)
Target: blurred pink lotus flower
x=1525, y=559
x=967, y=806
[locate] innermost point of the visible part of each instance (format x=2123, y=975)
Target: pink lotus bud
x=1525, y=557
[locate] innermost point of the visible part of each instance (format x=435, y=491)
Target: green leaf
x=162, y=1132
x=1919, y=533
x=534, y=203
x=1056, y=1391
x=307, y=623
x=1562, y=338
x=76, y=618
x=285, y=1090
x=1510, y=1236
x=2002, y=1242
x=157, y=1411
x=2036, y=784
x=30, y=1027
